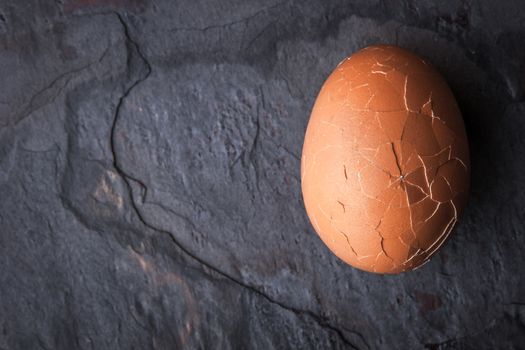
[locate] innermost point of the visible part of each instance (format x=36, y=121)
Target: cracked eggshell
x=385, y=166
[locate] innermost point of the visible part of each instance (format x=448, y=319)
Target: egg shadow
x=493, y=129
x=476, y=275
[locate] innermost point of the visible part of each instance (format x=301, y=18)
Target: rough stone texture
x=149, y=177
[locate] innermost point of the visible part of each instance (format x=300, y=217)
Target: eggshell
x=385, y=166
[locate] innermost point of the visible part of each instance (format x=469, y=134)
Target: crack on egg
x=342, y=205
x=348, y=242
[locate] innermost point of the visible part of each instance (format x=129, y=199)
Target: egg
x=385, y=167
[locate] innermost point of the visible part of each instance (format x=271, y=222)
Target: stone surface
x=149, y=177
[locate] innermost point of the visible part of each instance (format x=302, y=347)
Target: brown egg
x=385, y=166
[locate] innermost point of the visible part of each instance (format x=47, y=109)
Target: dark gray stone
x=150, y=188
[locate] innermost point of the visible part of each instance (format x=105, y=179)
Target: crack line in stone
x=322, y=321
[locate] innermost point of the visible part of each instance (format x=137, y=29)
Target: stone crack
x=322, y=321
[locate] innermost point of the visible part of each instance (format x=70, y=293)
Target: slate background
x=149, y=177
